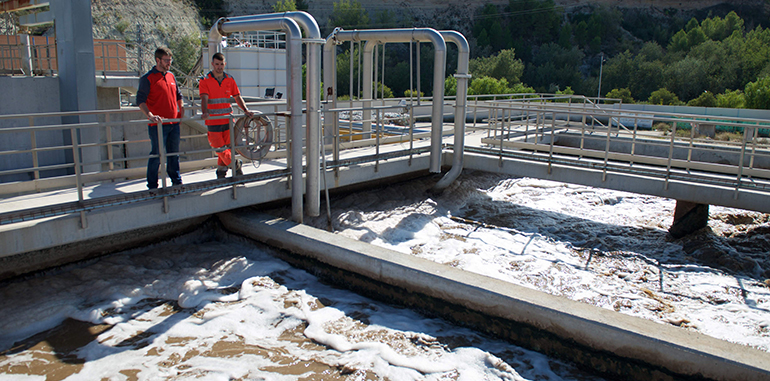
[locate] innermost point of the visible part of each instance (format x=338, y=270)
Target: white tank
x=257, y=62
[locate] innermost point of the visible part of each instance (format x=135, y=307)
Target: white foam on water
x=172, y=306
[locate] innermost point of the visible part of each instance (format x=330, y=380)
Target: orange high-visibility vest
x=219, y=94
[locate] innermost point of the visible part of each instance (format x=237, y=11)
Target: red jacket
x=219, y=96
x=161, y=93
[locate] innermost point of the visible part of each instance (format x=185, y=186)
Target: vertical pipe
x=419, y=97
x=313, y=85
x=368, y=88
x=463, y=76
x=294, y=99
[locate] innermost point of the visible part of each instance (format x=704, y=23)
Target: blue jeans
x=171, y=146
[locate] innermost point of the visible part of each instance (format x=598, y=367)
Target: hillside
x=458, y=14
x=145, y=24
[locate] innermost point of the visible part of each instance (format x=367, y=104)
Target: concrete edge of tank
x=604, y=341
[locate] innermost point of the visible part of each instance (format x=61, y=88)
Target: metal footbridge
x=566, y=139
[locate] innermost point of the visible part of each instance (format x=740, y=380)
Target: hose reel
x=254, y=136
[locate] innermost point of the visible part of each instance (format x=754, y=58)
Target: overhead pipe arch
x=313, y=81
x=223, y=27
x=373, y=37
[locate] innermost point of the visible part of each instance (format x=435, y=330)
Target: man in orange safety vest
x=215, y=90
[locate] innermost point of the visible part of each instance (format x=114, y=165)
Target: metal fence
x=574, y=128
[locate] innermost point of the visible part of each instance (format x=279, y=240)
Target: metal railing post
x=377, y=144
x=670, y=155
x=740, y=162
x=110, y=155
x=33, y=143
x=78, y=180
x=233, y=158
x=607, y=148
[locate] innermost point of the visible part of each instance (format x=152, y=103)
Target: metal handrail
x=750, y=156
x=107, y=123
x=509, y=124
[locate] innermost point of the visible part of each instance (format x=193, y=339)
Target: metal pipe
x=374, y=36
x=313, y=81
x=224, y=26
x=463, y=58
x=330, y=81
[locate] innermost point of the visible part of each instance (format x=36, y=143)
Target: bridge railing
x=671, y=143
x=76, y=151
x=70, y=149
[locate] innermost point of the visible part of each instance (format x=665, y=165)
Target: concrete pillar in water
x=688, y=218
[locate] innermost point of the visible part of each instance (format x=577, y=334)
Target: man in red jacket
x=159, y=98
x=216, y=89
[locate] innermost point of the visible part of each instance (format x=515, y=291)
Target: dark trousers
x=171, y=146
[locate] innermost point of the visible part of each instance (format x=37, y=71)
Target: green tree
x=664, y=97
x=385, y=19
x=758, y=94
x=554, y=65
x=721, y=73
x=521, y=88
x=618, y=70
x=488, y=85
x=450, y=86
x=695, y=37
x=647, y=78
x=581, y=33
x=187, y=51
x=679, y=42
x=539, y=20
x=707, y=99
x=348, y=15
x=731, y=99
x=380, y=88
x=285, y=6
x=565, y=36
x=485, y=17
x=502, y=65
x=755, y=53
x=623, y=94
x=210, y=11
x=650, y=51
x=412, y=93
x=496, y=30
x=343, y=72
x=686, y=77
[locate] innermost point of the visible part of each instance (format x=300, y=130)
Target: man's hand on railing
x=155, y=118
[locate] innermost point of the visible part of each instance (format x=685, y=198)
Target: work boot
x=238, y=165
x=221, y=171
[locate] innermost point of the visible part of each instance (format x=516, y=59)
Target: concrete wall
x=23, y=95
x=708, y=111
